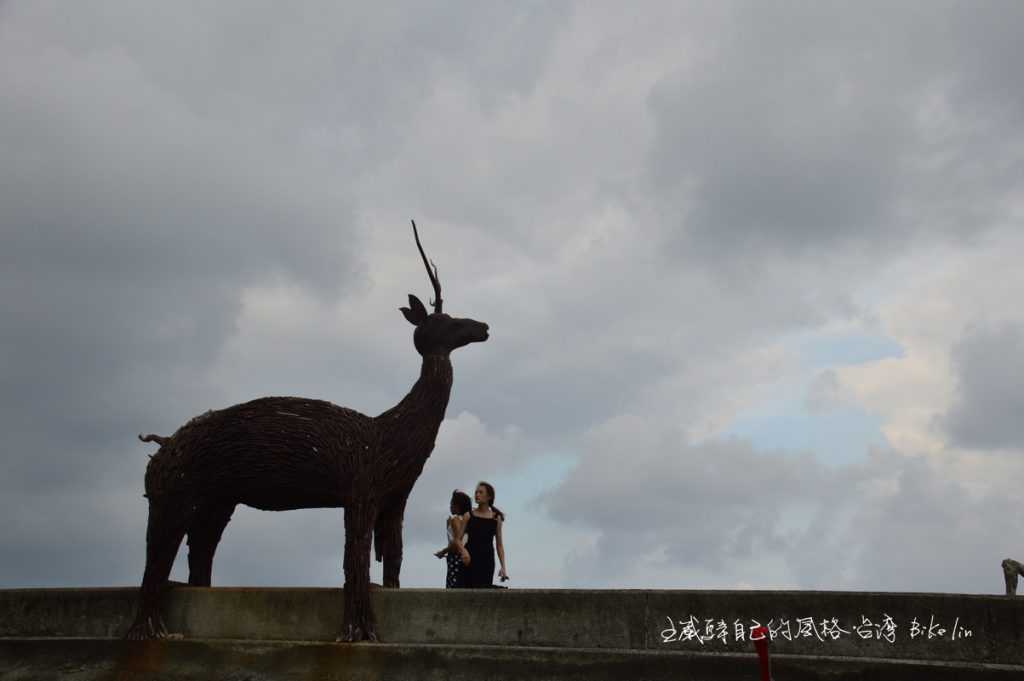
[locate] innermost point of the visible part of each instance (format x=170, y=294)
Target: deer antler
x=433, y=275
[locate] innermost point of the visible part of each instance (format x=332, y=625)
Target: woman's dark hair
x=490, y=492
x=462, y=502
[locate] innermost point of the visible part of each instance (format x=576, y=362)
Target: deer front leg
x=387, y=537
x=358, y=623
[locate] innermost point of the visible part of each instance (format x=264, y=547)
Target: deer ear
x=417, y=307
x=417, y=314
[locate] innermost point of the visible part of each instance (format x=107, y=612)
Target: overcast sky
x=752, y=273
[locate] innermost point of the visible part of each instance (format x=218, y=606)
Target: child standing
x=456, y=553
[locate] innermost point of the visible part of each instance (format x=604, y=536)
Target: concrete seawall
x=521, y=633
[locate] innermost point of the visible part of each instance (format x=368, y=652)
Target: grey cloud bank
x=200, y=206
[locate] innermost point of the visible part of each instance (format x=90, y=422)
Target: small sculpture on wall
x=1012, y=570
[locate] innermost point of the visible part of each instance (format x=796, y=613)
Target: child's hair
x=462, y=502
x=490, y=491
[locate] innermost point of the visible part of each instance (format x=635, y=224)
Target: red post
x=760, y=637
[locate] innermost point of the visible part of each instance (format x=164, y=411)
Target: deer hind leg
x=387, y=537
x=203, y=536
x=165, y=529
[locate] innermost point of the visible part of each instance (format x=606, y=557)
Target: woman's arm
x=501, y=550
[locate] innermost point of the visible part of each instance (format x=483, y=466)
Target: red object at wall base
x=760, y=638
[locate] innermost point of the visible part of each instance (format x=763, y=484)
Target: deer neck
x=411, y=425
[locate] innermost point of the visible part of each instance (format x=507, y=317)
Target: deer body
x=284, y=453
x=274, y=454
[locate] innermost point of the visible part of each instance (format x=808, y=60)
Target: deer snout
x=477, y=332
x=471, y=331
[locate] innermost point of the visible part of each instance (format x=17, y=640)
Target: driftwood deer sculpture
x=282, y=453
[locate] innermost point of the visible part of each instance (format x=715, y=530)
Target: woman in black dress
x=457, y=576
x=484, y=528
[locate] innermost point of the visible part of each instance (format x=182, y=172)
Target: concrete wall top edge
x=736, y=592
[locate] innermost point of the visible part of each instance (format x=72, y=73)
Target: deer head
x=439, y=333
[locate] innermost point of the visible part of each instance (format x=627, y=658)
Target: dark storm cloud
x=129, y=227
x=989, y=367
x=802, y=130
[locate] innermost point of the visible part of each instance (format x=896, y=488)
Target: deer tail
x=154, y=438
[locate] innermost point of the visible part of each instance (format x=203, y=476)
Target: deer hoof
x=147, y=628
x=354, y=633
